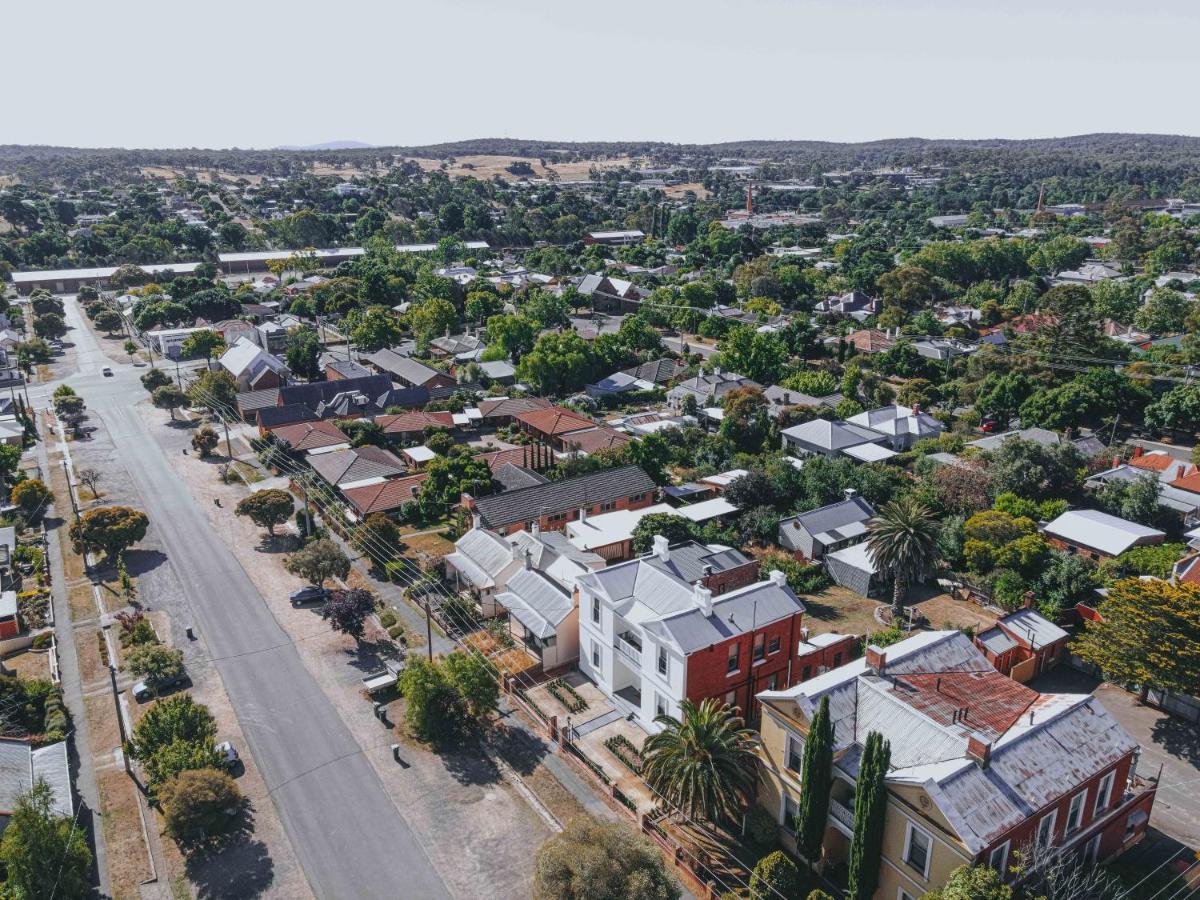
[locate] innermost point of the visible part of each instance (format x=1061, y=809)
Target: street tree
x=44, y=853
x=91, y=478
x=972, y=883
x=376, y=534
x=319, y=561
x=347, y=611
x=179, y=756
x=130, y=349
x=702, y=763
x=434, y=709
x=107, y=320
x=170, y=398
x=214, y=390
x=30, y=497
x=206, y=343
x=196, y=804
x=155, y=663
x=1148, y=635
x=266, y=508
x=475, y=682
x=154, y=379
x=205, y=441
x=177, y=718
x=49, y=327
x=111, y=529
x=592, y=859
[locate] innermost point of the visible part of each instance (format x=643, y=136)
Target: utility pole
x=178, y=378
x=228, y=445
x=428, y=630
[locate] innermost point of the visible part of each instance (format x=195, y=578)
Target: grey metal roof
x=536, y=601
x=831, y=435
x=733, y=614
x=404, y=368
x=833, y=517
x=1031, y=627
x=1041, y=436
x=21, y=765
x=356, y=464
x=347, y=368
x=658, y=371
x=521, y=505
x=513, y=477
x=688, y=560
x=996, y=640
x=250, y=400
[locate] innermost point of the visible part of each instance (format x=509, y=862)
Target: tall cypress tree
x=815, y=783
x=870, y=808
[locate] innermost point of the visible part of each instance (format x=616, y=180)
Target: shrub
x=34, y=607
x=195, y=804
x=624, y=750
x=762, y=831
x=567, y=695
x=387, y=618
x=42, y=641
x=775, y=876
x=396, y=632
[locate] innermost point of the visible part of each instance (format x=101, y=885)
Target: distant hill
x=328, y=145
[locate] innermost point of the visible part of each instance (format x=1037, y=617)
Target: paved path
x=348, y=835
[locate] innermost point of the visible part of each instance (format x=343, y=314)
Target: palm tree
x=703, y=764
x=902, y=541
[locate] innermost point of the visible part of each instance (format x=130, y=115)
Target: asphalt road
x=348, y=836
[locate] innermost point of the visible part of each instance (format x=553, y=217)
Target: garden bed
x=565, y=694
x=624, y=750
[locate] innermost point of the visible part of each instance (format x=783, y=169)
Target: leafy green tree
x=558, y=364
x=205, y=441
x=870, y=810
x=1149, y=635
x=1176, y=410
x=206, y=343
x=1164, y=312
x=170, y=398
x=902, y=542
x=593, y=860
x=972, y=883
x=676, y=529
x=50, y=326
x=30, y=496
x=432, y=318
x=513, y=335
x=44, y=853
x=759, y=356
x=652, y=454
x=266, y=508
x=155, y=663
x=1059, y=254
x=1030, y=470
x=545, y=309
x=177, y=718
x=154, y=379
x=1137, y=500
x=1001, y=395
x=475, y=682
x=376, y=534
x=213, y=390
x=107, y=320
x=111, y=529
x=319, y=561
x=347, y=611
x=775, y=876
x=180, y=756
x=373, y=328
x=434, y=709
x=703, y=763
x=303, y=353
x=196, y=803
x=816, y=782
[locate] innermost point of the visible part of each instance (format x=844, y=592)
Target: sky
x=261, y=73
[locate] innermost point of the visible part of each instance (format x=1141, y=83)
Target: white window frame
x=793, y=741
x=902, y=894
x=783, y=809
x=908, y=834
x=664, y=662
x=595, y=610
x=1091, y=850
x=1052, y=818
x=1104, y=793
x=1003, y=851
x=597, y=659
x=1074, y=823
x=661, y=706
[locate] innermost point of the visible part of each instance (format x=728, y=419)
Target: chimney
x=476, y=521
x=1116, y=461
x=1179, y=470
x=703, y=598
x=804, y=632
x=1138, y=451
x=777, y=578
x=582, y=514
x=528, y=559
x=1028, y=598
x=979, y=749
x=876, y=660
x=916, y=409
x=662, y=548
x=850, y=493
x=536, y=529
x=749, y=201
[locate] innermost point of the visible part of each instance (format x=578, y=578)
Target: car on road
x=228, y=754
x=146, y=689
x=309, y=594
x=107, y=372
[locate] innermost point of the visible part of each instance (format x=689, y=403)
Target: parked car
x=145, y=689
x=988, y=426
x=107, y=372
x=309, y=594
x=228, y=754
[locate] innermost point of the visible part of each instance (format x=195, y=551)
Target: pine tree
x=870, y=808
x=815, y=782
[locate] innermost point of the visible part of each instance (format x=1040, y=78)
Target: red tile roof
x=497, y=459
x=554, y=420
x=595, y=439
x=414, y=421
x=1154, y=462
x=385, y=496
x=869, y=340
x=993, y=702
x=310, y=435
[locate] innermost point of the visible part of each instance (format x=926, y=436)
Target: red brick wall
x=1087, y=552
x=808, y=665
x=1114, y=832
x=732, y=579
x=706, y=669
x=551, y=523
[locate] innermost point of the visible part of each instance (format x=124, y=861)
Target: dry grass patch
x=841, y=610
x=128, y=862
x=435, y=544
x=29, y=664
x=92, y=666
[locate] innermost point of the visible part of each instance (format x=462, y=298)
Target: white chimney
x=850, y=493
x=536, y=529
x=777, y=578
x=662, y=548
x=703, y=598
x=583, y=514
x=476, y=521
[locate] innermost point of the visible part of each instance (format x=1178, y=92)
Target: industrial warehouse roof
x=529, y=503
x=98, y=273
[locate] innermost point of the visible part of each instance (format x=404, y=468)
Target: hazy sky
x=259, y=73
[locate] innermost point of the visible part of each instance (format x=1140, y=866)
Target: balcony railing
x=631, y=650
x=841, y=812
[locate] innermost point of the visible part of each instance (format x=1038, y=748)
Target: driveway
x=1167, y=741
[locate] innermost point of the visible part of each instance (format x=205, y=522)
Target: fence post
x=553, y=726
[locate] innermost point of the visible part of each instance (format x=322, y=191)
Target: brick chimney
x=1027, y=598
x=1179, y=470
x=1138, y=451
x=876, y=660
x=979, y=749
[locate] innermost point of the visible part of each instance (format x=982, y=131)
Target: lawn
x=841, y=610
